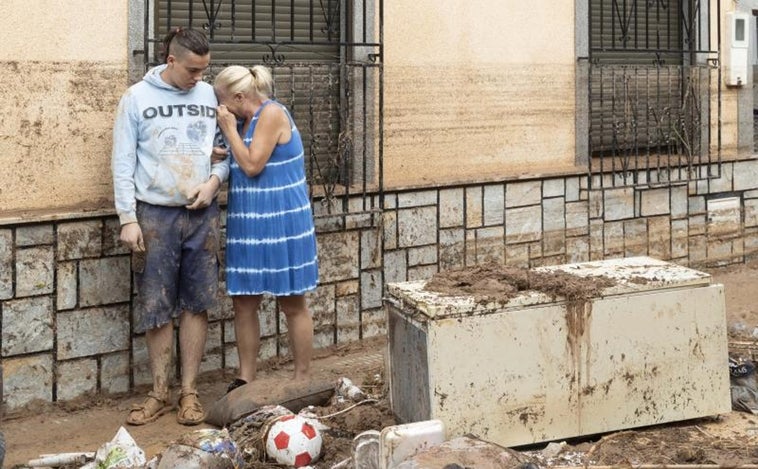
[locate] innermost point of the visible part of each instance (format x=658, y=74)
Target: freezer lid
x=633, y=275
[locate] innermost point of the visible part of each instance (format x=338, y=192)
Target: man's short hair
x=181, y=40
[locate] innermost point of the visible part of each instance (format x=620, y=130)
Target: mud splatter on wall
x=55, y=134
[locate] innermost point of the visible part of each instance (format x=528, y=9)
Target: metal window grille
x=654, y=92
x=326, y=59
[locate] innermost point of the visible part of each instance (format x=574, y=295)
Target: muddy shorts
x=179, y=270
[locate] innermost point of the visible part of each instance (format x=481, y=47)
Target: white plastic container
x=399, y=442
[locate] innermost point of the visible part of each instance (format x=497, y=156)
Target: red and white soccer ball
x=294, y=441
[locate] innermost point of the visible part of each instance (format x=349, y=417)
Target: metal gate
x=326, y=58
x=654, y=91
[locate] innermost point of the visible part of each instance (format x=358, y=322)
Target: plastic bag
x=743, y=386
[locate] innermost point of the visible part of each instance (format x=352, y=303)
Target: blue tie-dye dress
x=271, y=240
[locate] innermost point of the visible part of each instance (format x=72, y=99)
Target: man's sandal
x=149, y=411
x=190, y=410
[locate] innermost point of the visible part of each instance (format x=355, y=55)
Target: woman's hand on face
x=227, y=122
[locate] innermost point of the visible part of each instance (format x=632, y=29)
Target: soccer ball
x=292, y=440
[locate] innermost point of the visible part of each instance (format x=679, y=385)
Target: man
x=165, y=187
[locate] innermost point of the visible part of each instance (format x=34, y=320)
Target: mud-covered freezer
x=648, y=350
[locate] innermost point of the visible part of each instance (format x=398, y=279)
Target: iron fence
x=326, y=59
x=654, y=92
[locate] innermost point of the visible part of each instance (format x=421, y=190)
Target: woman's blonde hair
x=248, y=81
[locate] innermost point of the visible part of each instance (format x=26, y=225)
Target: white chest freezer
x=648, y=350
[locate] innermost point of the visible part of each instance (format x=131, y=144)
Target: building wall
x=66, y=61
x=477, y=91
x=65, y=290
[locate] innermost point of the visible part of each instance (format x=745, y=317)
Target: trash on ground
x=743, y=386
x=202, y=449
x=121, y=452
x=61, y=459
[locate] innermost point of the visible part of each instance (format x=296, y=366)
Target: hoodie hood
x=153, y=77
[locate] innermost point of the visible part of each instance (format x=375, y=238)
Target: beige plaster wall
x=477, y=91
x=66, y=66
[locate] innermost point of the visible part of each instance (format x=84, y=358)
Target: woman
x=271, y=241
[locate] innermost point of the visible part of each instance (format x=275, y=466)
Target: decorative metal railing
x=654, y=92
x=326, y=58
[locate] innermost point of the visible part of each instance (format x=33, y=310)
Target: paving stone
x=751, y=241
x=553, y=215
x=371, y=249
x=553, y=243
x=114, y=373
x=577, y=220
x=27, y=378
x=422, y=255
x=578, y=249
x=6, y=264
x=417, y=199
x=417, y=226
x=347, y=288
x=34, y=271
x=321, y=305
x=523, y=224
x=696, y=205
x=323, y=337
x=595, y=200
x=473, y=207
x=635, y=237
x=618, y=204
x=76, y=378
x=519, y=194
x=751, y=212
x=104, y=281
x=554, y=188
x=679, y=203
x=395, y=266
x=390, y=230
x=452, y=248
x=422, y=272
x=390, y=201
x=451, y=208
x=269, y=316
x=338, y=255
x=697, y=225
x=269, y=349
x=573, y=185
x=371, y=289
x=112, y=246
x=348, y=313
x=613, y=239
x=327, y=224
x=31, y=235
x=723, y=183
x=596, y=240
x=659, y=237
x=469, y=255
x=214, y=349
x=517, y=255
x=374, y=324
x=490, y=245
x=92, y=331
x=231, y=358
x=745, y=175
x=78, y=240
x=697, y=248
x=679, y=236
x=66, y=285
x=655, y=202
x=494, y=204
x=359, y=220
x=27, y=326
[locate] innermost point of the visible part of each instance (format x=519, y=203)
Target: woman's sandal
x=190, y=410
x=235, y=384
x=149, y=411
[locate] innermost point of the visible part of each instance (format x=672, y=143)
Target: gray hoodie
x=162, y=141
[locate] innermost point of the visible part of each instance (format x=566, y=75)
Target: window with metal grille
x=651, y=79
x=325, y=56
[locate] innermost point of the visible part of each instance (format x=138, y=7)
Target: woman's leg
x=300, y=327
x=247, y=331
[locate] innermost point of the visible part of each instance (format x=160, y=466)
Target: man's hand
x=203, y=194
x=131, y=235
x=218, y=155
